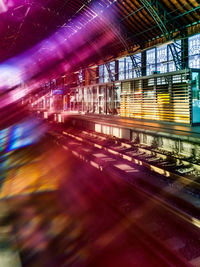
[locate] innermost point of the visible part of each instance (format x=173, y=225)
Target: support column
x=184, y=54
x=143, y=59
x=116, y=70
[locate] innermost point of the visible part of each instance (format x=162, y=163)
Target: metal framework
x=109, y=72
x=136, y=67
x=116, y=28
x=161, y=17
x=135, y=64
x=91, y=73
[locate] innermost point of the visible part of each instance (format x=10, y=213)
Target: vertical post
x=82, y=100
x=184, y=53
x=113, y=100
x=116, y=70
x=98, y=108
x=142, y=98
x=98, y=79
x=93, y=97
x=106, y=98
x=143, y=59
x=190, y=97
x=169, y=81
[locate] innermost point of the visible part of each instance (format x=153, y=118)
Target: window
x=126, y=67
x=160, y=59
x=122, y=69
x=194, y=51
x=101, y=74
x=80, y=76
x=129, y=68
x=112, y=69
x=104, y=75
x=171, y=65
x=138, y=59
x=151, y=61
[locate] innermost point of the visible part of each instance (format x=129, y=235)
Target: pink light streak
x=62, y=43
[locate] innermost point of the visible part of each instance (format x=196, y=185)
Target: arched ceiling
x=24, y=23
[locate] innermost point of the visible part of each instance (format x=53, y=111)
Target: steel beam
x=118, y=32
x=161, y=17
x=112, y=79
x=92, y=77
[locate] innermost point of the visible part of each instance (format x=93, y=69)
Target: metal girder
x=107, y=64
x=136, y=66
x=134, y=61
x=118, y=32
x=109, y=72
x=92, y=77
x=157, y=16
x=161, y=17
x=176, y=52
x=166, y=17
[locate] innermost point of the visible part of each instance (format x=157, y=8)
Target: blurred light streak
x=9, y=76
x=20, y=135
x=3, y=139
x=5, y=5
x=53, y=49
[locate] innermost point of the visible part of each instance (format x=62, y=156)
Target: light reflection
x=10, y=76
x=21, y=135
x=64, y=42
x=5, y=5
